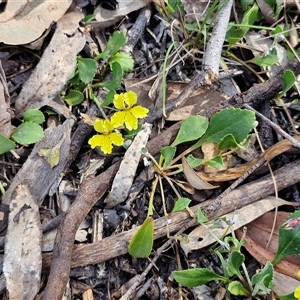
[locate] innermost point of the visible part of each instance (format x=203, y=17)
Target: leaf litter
x=32, y=176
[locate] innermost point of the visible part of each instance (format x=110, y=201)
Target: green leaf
x=268, y=60
x=191, y=129
x=27, y=133
x=236, y=288
x=168, y=154
x=262, y=281
x=141, y=244
x=117, y=77
x=88, y=18
x=235, y=34
x=195, y=277
x=236, y=259
x=193, y=161
x=288, y=81
x=201, y=218
x=6, y=144
x=109, y=98
x=235, y=121
x=289, y=238
x=216, y=162
x=181, y=204
x=87, y=68
x=114, y=44
x=227, y=142
x=124, y=59
x=74, y=98
x=34, y=115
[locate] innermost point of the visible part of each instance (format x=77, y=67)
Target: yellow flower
x=297, y=292
x=128, y=114
x=107, y=138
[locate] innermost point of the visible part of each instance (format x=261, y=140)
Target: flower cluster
x=127, y=115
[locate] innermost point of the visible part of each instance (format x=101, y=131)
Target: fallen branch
x=113, y=246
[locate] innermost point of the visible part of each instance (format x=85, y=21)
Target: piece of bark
x=116, y=245
x=36, y=172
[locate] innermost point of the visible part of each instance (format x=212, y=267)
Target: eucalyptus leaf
x=6, y=144
x=191, y=129
x=197, y=276
x=27, y=133
x=141, y=244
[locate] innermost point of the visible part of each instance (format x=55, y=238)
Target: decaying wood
x=114, y=246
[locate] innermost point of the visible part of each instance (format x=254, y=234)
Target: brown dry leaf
x=234, y=173
x=257, y=236
x=24, y=21
x=5, y=116
x=284, y=285
x=55, y=66
x=202, y=236
x=194, y=179
x=23, y=254
x=126, y=173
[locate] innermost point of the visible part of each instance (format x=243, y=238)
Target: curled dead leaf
x=194, y=179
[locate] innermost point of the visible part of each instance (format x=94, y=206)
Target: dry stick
x=293, y=141
x=114, y=246
x=139, y=278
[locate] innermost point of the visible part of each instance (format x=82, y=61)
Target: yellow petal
x=139, y=111
x=98, y=125
x=96, y=141
x=130, y=98
x=116, y=138
x=118, y=118
x=131, y=121
x=119, y=101
x=106, y=146
x=297, y=292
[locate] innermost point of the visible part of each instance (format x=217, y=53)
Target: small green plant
x=29, y=132
x=237, y=284
x=227, y=128
x=89, y=72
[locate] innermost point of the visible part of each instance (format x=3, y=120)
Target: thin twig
x=293, y=141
